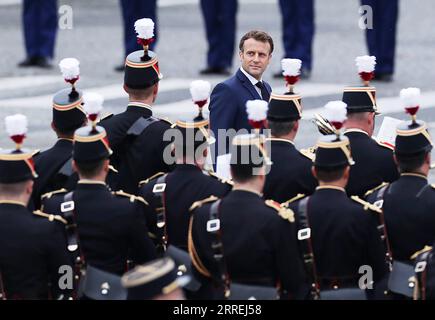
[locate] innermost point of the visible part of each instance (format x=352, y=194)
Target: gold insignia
x=49, y=194
x=366, y=205
x=223, y=180
x=419, y=252
x=198, y=204
x=297, y=197
x=158, y=174
x=310, y=153
x=384, y=144
x=375, y=188
x=132, y=197
x=50, y=217
x=285, y=213
x=112, y=168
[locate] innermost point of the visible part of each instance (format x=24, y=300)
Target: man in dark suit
x=381, y=39
x=374, y=162
x=256, y=238
x=290, y=173
x=133, y=10
x=40, y=27
x=228, y=99
x=220, y=26
x=298, y=32
x=33, y=247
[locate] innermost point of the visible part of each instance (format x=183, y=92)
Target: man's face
x=255, y=57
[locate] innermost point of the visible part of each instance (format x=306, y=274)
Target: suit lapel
x=248, y=85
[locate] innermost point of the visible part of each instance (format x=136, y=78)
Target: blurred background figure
x=298, y=32
x=133, y=10
x=381, y=39
x=220, y=24
x=40, y=28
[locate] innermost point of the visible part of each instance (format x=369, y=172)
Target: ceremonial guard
x=374, y=162
x=290, y=173
x=135, y=135
x=54, y=164
x=338, y=235
x=105, y=228
x=409, y=202
x=242, y=238
x=172, y=194
x=33, y=246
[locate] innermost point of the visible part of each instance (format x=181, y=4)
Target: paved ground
x=182, y=47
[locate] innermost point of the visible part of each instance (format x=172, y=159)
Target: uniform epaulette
x=112, y=168
x=383, y=184
x=223, y=180
x=132, y=197
x=419, y=252
x=433, y=185
x=49, y=194
x=198, y=204
x=106, y=116
x=384, y=144
x=309, y=153
x=366, y=205
x=297, y=197
x=158, y=174
x=50, y=217
x=285, y=213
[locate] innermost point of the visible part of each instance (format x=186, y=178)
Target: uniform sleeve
x=142, y=248
x=223, y=109
x=288, y=260
x=58, y=256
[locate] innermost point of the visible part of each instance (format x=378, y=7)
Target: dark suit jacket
x=228, y=104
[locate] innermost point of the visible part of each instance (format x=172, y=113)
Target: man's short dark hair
x=325, y=174
x=279, y=129
x=258, y=36
x=90, y=169
x=242, y=173
x=411, y=163
x=69, y=131
x=140, y=93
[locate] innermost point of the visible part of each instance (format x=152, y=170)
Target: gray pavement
x=96, y=40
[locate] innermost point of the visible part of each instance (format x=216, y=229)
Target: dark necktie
x=264, y=93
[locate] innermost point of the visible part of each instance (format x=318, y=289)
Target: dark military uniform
x=32, y=249
x=343, y=237
x=111, y=226
x=408, y=207
x=259, y=248
x=374, y=163
x=290, y=173
x=135, y=135
x=185, y=185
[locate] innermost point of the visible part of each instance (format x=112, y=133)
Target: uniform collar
x=355, y=130
x=87, y=181
x=250, y=78
x=65, y=139
x=187, y=166
x=18, y=203
x=281, y=140
x=248, y=191
x=331, y=187
x=409, y=174
x=140, y=105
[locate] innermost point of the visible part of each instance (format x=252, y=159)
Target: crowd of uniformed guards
x=351, y=218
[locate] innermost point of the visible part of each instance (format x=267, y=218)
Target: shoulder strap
x=160, y=196
x=66, y=169
x=421, y=273
x=140, y=125
x=304, y=236
x=67, y=208
x=382, y=228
